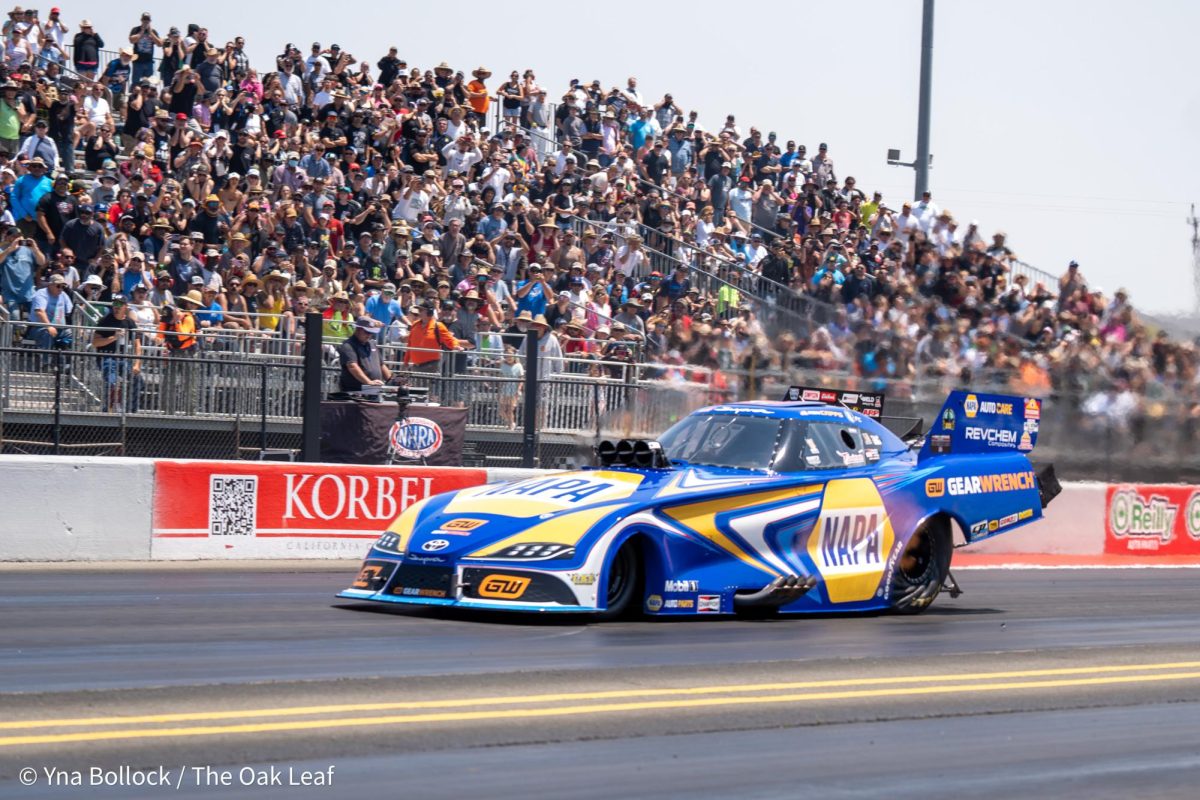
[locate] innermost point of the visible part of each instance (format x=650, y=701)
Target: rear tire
x=624, y=584
x=923, y=567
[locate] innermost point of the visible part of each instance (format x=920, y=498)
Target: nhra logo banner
x=1152, y=520
x=244, y=509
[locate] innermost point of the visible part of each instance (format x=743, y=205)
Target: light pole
x=924, y=160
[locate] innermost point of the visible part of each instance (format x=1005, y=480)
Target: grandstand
x=678, y=265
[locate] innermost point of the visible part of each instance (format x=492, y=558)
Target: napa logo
x=971, y=406
x=851, y=541
x=414, y=437
x=545, y=495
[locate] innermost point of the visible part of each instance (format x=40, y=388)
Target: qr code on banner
x=232, y=505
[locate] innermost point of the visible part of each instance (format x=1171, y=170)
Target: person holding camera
x=177, y=331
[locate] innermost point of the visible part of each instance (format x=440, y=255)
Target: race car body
x=788, y=506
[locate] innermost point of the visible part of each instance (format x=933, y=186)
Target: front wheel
x=624, y=584
x=923, y=567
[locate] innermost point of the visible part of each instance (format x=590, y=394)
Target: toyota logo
x=433, y=545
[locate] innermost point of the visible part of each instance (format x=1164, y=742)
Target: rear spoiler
x=869, y=404
x=971, y=422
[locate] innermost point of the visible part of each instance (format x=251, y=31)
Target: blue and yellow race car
x=811, y=504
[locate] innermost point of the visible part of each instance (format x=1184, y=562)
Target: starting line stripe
x=602, y=695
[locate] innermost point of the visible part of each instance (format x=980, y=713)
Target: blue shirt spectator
x=26, y=192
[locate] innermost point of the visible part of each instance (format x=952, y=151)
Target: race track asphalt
x=1048, y=683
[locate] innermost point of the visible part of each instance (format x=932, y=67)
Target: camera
x=168, y=315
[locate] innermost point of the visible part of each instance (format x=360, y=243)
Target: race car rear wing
x=868, y=404
x=975, y=423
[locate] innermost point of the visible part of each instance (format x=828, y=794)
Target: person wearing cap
x=20, y=258
x=143, y=39
x=116, y=336
x=51, y=309
x=383, y=307
x=86, y=50
x=177, y=328
x=338, y=319
x=40, y=145
x=85, y=236
x=427, y=338
x=360, y=359
x=29, y=190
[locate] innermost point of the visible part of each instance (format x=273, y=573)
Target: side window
x=829, y=445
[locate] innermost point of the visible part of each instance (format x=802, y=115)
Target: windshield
x=767, y=443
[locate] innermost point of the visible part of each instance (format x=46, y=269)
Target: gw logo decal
x=464, y=524
x=935, y=487
x=503, y=587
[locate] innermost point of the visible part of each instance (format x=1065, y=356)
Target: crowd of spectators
x=618, y=223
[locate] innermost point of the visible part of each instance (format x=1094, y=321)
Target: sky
x=1070, y=125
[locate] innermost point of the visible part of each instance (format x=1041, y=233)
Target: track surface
x=1043, y=682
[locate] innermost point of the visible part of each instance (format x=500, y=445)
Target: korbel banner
x=214, y=509
x=1152, y=520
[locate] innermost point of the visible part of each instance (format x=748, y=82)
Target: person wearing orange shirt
x=426, y=339
x=477, y=95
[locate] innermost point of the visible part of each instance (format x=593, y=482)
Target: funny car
x=810, y=504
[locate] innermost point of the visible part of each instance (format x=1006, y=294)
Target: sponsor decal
x=1026, y=442
x=708, y=603
x=829, y=397
x=853, y=459
x=850, y=539
x=368, y=577
x=679, y=603
x=939, y=444
x=995, y=407
x=388, y=541
x=503, y=587
x=435, y=545
x=935, y=487
x=409, y=591
x=850, y=399
x=414, y=437
x=463, y=524
x=273, y=510
x=563, y=490
x=948, y=419
x=583, y=578
x=987, y=484
x=871, y=453
x=681, y=586
x=1033, y=408
x=1006, y=520
x=654, y=602
x=992, y=436
x=993, y=525
x=1025, y=514
x=870, y=412
x=971, y=406
x=1153, y=520
x=979, y=527
x=810, y=394
x=1031, y=426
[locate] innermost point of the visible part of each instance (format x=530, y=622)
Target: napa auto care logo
x=1152, y=518
x=971, y=406
x=414, y=437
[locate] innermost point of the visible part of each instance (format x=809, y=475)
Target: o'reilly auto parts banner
x=214, y=509
x=1152, y=520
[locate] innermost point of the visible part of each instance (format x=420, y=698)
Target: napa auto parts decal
x=1152, y=520
x=207, y=509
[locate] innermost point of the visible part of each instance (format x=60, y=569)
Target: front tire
x=923, y=567
x=624, y=584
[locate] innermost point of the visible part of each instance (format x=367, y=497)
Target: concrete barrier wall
x=75, y=508
x=121, y=509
